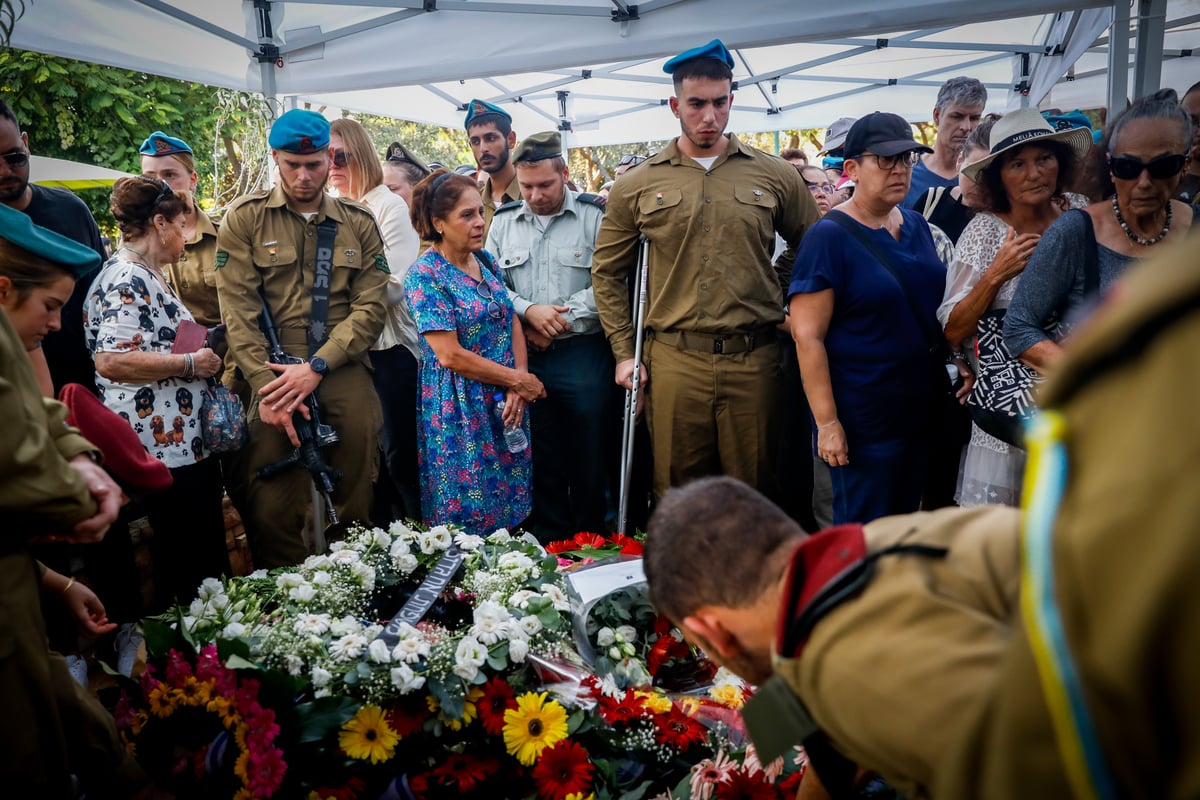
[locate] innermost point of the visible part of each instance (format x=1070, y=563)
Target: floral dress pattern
x=129, y=308
x=468, y=475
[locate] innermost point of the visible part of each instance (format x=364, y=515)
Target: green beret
x=159, y=144
x=538, y=147
x=19, y=229
x=480, y=112
x=714, y=49
x=299, y=131
x=398, y=152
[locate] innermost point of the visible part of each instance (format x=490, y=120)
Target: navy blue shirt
x=879, y=362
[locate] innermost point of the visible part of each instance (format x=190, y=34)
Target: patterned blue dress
x=468, y=476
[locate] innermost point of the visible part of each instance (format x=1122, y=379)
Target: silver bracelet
x=189, y=367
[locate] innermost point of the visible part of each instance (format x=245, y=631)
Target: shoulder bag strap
x=318, y=330
x=934, y=340
x=1091, y=257
x=931, y=200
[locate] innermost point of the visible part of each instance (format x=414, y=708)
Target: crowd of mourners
x=857, y=333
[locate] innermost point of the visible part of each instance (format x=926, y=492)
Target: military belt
x=562, y=343
x=722, y=344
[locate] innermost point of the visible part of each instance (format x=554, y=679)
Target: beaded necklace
x=1133, y=237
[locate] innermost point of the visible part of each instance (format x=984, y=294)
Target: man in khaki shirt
x=710, y=206
x=268, y=242
x=490, y=134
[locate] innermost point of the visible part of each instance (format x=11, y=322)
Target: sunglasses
x=630, y=158
x=906, y=160
x=15, y=160
x=339, y=158
x=1128, y=168
x=484, y=290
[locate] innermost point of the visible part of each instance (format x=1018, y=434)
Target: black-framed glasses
x=630, y=159
x=339, y=158
x=15, y=160
x=1128, y=168
x=827, y=188
x=907, y=160
x=484, y=290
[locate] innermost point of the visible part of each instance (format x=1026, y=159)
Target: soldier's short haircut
x=712, y=543
x=503, y=125
x=705, y=68
x=962, y=91
x=558, y=162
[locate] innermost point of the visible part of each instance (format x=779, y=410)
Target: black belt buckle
x=718, y=346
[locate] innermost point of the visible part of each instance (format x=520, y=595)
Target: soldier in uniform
x=710, y=206
x=543, y=245
x=270, y=247
x=870, y=644
x=1097, y=694
x=490, y=134
x=52, y=487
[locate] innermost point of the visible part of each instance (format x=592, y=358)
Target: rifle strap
x=317, y=329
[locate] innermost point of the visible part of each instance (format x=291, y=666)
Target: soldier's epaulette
x=591, y=199
x=510, y=206
x=249, y=197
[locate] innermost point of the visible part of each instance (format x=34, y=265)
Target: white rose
x=466, y=671
x=365, y=575
x=233, y=630
x=337, y=546
x=530, y=625
x=378, y=652
x=517, y=650
x=470, y=655
x=318, y=562
x=289, y=580
x=321, y=677
x=218, y=603
x=321, y=578
x=303, y=594
x=209, y=587
x=605, y=637
x=380, y=537
x=627, y=633
x=399, y=529
x=196, y=609
x=427, y=542
x=557, y=597
x=406, y=563
x=404, y=679
x=399, y=548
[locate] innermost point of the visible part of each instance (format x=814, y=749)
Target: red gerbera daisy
x=348, y=792
x=584, y=539
x=498, y=697
x=563, y=769
x=666, y=648
x=629, y=708
x=408, y=716
x=562, y=546
x=464, y=770
x=740, y=786
x=629, y=545
x=678, y=730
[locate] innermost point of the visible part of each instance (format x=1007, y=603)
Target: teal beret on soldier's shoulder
x=73, y=257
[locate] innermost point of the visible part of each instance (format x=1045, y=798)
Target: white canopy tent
x=72, y=174
x=594, y=66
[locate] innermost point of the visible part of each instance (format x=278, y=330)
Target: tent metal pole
x=1151, y=29
x=1118, y=59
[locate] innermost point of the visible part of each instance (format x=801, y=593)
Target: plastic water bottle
x=514, y=437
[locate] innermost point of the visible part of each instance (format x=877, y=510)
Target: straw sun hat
x=1027, y=126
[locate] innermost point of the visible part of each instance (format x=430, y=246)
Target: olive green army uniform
x=490, y=204
x=52, y=727
x=891, y=674
x=264, y=243
x=194, y=276
x=1123, y=555
x=713, y=303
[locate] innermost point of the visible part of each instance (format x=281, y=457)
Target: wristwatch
x=318, y=365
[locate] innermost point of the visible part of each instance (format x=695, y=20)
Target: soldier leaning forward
x=268, y=247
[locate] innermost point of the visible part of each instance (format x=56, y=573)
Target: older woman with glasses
x=818, y=183
x=472, y=352
x=863, y=299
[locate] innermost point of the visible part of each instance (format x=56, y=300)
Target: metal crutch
x=631, y=395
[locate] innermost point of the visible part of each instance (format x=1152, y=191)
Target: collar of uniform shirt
x=672, y=154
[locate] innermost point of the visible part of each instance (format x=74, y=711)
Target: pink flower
x=752, y=765
x=149, y=682
x=246, y=698
x=178, y=668
x=708, y=773
x=265, y=771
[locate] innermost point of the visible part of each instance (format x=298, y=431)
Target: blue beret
x=714, y=49
x=159, y=144
x=299, y=131
x=478, y=112
x=19, y=229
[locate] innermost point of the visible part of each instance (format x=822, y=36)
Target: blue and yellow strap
x=1045, y=484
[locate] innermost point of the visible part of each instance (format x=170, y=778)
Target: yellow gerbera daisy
x=161, y=702
x=580, y=796
x=192, y=692
x=368, y=735
x=223, y=708
x=470, y=709
x=653, y=701
x=532, y=726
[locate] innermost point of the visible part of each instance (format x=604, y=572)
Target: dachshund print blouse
x=129, y=308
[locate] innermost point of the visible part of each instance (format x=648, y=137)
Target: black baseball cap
x=883, y=134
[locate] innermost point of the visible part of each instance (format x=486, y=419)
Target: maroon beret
x=125, y=457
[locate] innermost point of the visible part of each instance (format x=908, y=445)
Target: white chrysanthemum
x=404, y=679
x=530, y=625
x=346, y=556
x=605, y=637
x=400, y=547
x=410, y=650
x=348, y=647
x=468, y=542
x=209, y=587
x=233, y=630
x=380, y=538
x=557, y=597
x=378, y=652
x=321, y=578
x=490, y=622
x=345, y=625
x=336, y=546
x=318, y=562
x=303, y=594
x=517, y=650
x=726, y=678
x=312, y=623
x=500, y=536
x=289, y=580
x=516, y=563
x=406, y=564
x=627, y=633
x=520, y=598
x=321, y=677
x=293, y=664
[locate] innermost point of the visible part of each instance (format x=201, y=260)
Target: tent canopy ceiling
x=798, y=65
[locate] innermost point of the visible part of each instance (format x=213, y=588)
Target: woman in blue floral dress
x=471, y=348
